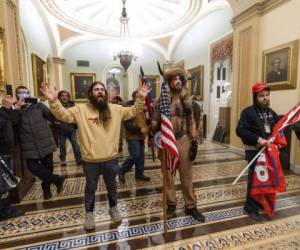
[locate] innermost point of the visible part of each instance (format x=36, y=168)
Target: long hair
x=102, y=106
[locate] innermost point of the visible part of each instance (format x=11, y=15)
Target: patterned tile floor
x=57, y=224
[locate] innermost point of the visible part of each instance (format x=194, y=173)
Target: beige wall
x=261, y=27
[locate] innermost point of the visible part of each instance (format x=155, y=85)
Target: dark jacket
x=35, y=135
x=63, y=127
x=250, y=127
x=7, y=121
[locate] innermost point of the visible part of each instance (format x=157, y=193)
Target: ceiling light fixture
x=124, y=52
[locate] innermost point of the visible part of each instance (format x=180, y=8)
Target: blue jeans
x=92, y=171
x=251, y=205
x=62, y=146
x=136, y=150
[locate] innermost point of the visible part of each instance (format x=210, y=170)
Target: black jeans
x=43, y=169
x=92, y=172
x=251, y=206
x=136, y=150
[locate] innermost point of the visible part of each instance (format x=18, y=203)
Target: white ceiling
x=147, y=18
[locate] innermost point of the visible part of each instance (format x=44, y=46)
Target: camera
x=30, y=100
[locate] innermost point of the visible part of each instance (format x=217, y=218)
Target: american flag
x=167, y=133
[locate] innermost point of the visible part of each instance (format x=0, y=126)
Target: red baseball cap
x=259, y=86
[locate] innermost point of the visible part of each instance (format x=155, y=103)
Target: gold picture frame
x=39, y=74
x=154, y=83
x=279, y=66
x=2, y=64
x=80, y=83
x=196, y=84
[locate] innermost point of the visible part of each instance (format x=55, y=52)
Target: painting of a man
x=80, y=85
x=277, y=74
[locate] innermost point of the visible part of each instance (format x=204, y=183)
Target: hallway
x=57, y=223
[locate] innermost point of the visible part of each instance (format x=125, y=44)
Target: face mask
x=23, y=95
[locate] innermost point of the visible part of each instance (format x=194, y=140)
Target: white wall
x=194, y=45
x=35, y=32
x=98, y=53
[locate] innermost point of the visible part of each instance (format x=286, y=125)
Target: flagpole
x=164, y=171
x=290, y=116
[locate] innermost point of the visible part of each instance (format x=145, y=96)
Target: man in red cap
x=254, y=128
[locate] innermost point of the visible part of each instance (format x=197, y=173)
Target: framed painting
x=80, y=84
x=39, y=73
x=279, y=66
x=153, y=81
x=196, y=82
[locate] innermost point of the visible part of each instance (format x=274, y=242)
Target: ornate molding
x=259, y=8
x=58, y=60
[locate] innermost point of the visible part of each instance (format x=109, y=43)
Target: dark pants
x=43, y=169
x=92, y=171
x=62, y=146
x=136, y=150
x=251, y=206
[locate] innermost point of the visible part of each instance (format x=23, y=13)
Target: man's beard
x=103, y=108
x=264, y=105
x=175, y=90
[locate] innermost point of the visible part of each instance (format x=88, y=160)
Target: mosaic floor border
x=242, y=238
x=74, y=187
x=155, y=228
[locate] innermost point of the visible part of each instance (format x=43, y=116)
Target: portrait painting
x=39, y=74
x=196, y=82
x=280, y=66
x=153, y=81
x=80, y=84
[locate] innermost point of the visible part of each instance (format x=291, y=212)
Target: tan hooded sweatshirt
x=97, y=143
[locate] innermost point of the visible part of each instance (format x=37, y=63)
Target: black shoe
x=143, y=178
x=256, y=216
x=122, y=178
x=171, y=212
x=195, y=214
x=12, y=213
x=47, y=195
x=79, y=163
x=59, y=183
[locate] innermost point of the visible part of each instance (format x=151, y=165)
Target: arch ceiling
x=147, y=18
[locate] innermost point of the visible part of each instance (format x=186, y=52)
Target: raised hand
x=50, y=93
x=7, y=102
x=144, y=90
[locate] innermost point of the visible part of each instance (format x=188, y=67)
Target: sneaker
x=171, y=212
x=63, y=164
x=115, y=215
x=89, y=221
x=122, y=178
x=143, y=178
x=195, y=214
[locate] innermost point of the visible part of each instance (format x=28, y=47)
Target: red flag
x=268, y=178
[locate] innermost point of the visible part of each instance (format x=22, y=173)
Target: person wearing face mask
x=36, y=139
x=254, y=128
x=185, y=131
